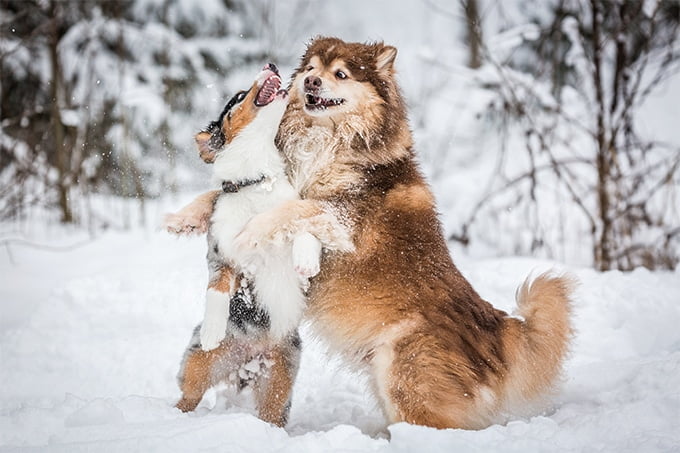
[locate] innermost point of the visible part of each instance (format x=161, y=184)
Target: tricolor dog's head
x=258, y=109
x=337, y=77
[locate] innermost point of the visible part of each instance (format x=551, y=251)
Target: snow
x=91, y=337
x=92, y=330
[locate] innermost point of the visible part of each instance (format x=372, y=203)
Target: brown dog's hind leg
x=422, y=384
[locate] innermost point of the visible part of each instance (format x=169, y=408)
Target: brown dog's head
x=337, y=77
x=239, y=112
x=350, y=89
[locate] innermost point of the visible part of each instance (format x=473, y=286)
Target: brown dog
x=397, y=307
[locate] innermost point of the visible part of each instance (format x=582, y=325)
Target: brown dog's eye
x=309, y=68
x=340, y=75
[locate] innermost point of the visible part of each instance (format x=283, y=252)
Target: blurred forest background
x=546, y=127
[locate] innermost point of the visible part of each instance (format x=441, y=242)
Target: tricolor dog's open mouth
x=270, y=88
x=314, y=102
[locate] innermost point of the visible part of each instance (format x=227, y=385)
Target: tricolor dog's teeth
x=268, y=90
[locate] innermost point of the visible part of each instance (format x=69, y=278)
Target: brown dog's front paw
x=245, y=243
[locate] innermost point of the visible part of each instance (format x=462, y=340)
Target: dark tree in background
x=100, y=96
x=35, y=141
x=608, y=57
x=473, y=35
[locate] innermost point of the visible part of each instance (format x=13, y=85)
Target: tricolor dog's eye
x=237, y=99
x=340, y=74
x=241, y=95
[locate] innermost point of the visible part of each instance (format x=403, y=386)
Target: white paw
x=306, y=255
x=213, y=332
x=306, y=268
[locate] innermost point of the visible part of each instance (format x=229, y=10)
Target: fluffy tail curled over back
x=538, y=344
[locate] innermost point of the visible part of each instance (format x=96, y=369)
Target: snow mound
x=91, y=339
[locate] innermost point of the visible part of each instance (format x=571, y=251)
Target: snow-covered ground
x=92, y=331
x=91, y=338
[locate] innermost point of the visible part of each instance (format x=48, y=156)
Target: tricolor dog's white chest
x=233, y=210
x=252, y=156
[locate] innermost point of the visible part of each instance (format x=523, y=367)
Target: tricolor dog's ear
x=206, y=152
x=384, y=63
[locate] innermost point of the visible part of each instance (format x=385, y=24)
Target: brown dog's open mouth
x=270, y=89
x=314, y=102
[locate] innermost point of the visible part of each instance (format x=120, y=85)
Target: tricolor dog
x=253, y=306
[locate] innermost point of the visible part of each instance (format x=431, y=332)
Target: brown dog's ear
x=384, y=63
x=204, y=149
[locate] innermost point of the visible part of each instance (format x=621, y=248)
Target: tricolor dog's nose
x=272, y=67
x=312, y=83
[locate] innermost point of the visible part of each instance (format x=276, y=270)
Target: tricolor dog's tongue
x=271, y=86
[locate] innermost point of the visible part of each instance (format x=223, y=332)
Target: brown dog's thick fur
x=397, y=307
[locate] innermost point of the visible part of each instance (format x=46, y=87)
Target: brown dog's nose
x=312, y=83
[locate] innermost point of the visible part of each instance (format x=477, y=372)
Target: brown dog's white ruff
x=397, y=307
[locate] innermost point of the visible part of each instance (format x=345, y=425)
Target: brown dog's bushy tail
x=537, y=345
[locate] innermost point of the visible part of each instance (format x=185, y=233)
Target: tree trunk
x=602, y=246
x=474, y=33
x=60, y=148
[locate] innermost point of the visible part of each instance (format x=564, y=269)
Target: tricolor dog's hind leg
x=274, y=388
x=198, y=372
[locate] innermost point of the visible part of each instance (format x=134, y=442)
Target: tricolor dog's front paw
x=184, y=224
x=306, y=255
x=214, y=326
